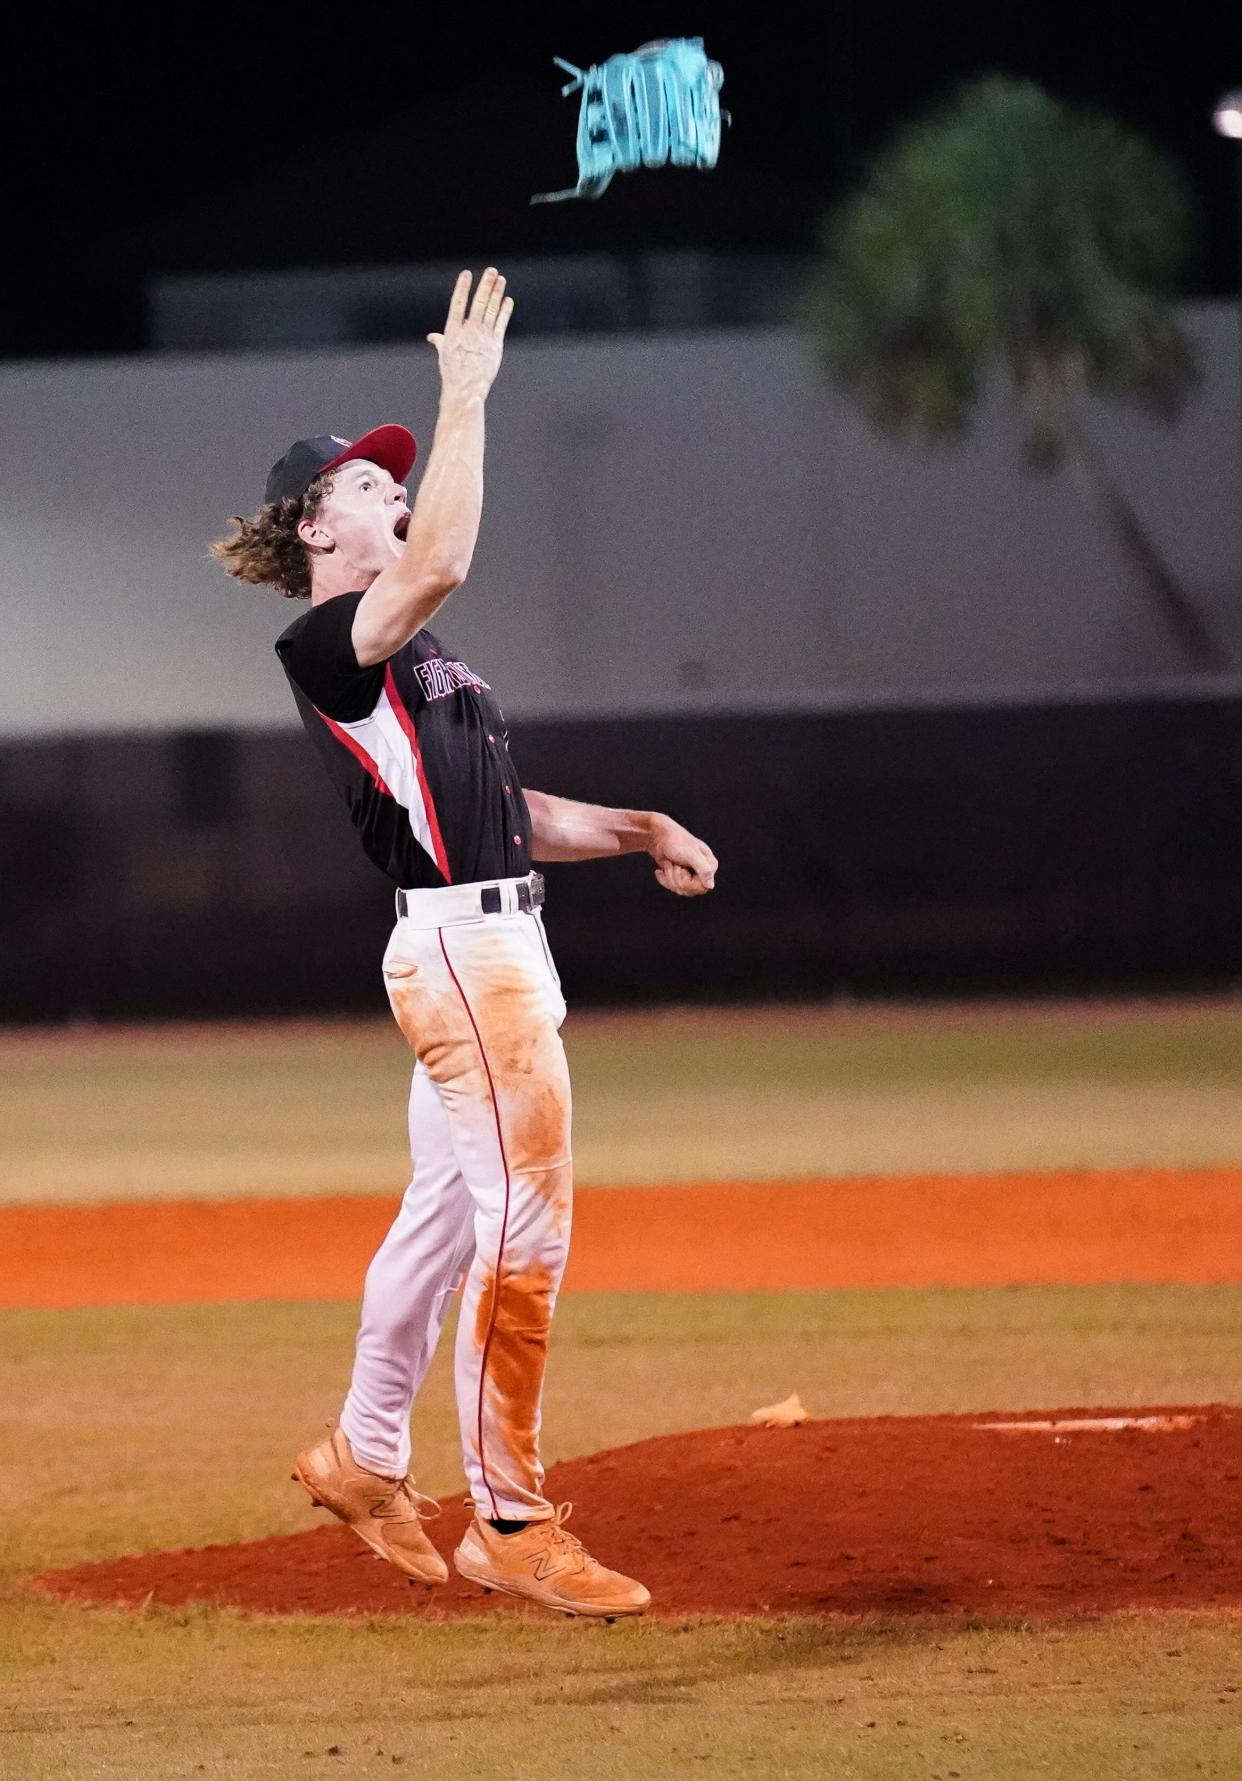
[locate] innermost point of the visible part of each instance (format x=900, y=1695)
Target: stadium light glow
x=1227, y=116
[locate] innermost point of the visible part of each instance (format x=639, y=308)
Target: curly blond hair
x=266, y=549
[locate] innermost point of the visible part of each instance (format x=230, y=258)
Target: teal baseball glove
x=658, y=106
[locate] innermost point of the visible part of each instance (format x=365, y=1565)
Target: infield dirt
x=1069, y=1227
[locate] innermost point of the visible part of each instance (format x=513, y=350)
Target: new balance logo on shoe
x=385, y=1512
x=547, y=1564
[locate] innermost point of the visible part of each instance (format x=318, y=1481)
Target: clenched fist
x=684, y=864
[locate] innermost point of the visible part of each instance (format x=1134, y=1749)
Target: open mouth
x=401, y=528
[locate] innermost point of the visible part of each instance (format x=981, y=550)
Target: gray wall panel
x=675, y=522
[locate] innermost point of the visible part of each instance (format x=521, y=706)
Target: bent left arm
x=564, y=830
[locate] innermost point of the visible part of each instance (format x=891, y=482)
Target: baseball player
x=416, y=744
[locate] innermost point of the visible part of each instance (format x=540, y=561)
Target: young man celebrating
x=417, y=746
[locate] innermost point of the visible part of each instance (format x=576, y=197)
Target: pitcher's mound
x=1052, y=1513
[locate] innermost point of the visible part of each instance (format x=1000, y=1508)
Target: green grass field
x=678, y=1097
x=209, y=1693
x=132, y=1429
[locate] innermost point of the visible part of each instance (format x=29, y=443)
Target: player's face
x=365, y=516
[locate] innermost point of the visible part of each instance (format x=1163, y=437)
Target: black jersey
x=418, y=748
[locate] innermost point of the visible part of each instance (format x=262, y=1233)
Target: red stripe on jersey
x=359, y=753
x=407, y=724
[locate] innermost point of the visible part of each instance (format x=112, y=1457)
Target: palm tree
x=1013, y=231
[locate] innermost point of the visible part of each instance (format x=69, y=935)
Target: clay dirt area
x=1068, y=1226
x=988, y=1517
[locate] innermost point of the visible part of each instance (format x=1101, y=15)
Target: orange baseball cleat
x=545, y=1563
x=382, y=1511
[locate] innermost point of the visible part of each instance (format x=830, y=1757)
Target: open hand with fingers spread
x=684, y=864
x=473, y=342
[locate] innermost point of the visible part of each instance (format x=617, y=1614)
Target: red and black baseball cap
x=393, y=448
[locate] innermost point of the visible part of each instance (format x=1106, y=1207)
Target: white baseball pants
x=479, y=1001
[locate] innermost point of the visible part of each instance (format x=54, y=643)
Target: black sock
x=506, y=1527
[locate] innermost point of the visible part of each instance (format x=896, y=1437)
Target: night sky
x=304, y=137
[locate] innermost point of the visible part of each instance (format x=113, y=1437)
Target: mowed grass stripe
x=309, y=1109
x=173, y=1695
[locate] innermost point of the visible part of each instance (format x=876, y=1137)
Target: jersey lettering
x=439, y=678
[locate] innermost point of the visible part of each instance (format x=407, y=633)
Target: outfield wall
x=1074, y=847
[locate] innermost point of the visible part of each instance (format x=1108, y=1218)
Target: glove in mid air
x=658, y=106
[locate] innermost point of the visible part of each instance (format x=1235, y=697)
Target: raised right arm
x=444, y=524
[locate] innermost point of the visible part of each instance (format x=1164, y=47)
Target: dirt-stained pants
x=478, y=999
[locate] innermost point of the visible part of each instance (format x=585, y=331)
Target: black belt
x=530, y=895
